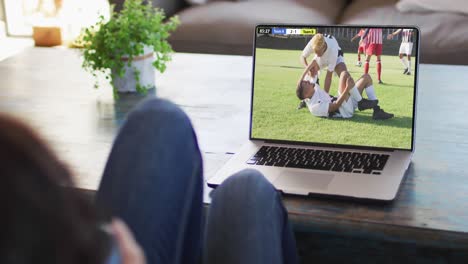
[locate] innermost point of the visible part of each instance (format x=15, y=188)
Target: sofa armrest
x=170, y=7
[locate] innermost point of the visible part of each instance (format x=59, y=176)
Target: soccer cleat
x=359, y=64
x=405, y=71
x=380, y=114
x=367, y=104
x=408, y=73
x=301, y=105
x=380, y=82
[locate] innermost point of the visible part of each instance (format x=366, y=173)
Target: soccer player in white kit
x=328, y=55
x=406, y=47
x=349, y=97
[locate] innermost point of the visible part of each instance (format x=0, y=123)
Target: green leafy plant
x=124, y=36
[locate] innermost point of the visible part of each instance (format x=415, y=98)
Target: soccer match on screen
x=335, y=85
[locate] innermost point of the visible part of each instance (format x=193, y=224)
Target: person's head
x=319, y=45
x=305, y=89
x=43, y=219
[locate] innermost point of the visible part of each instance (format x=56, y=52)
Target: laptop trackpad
x=303, y=180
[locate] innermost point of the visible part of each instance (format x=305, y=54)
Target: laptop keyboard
x=327, y=160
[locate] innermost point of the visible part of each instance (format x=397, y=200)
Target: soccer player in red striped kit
x=373, y=36
x=362, y=46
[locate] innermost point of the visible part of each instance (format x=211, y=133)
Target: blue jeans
x=153, y=180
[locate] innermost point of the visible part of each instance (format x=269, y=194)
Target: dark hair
x=300, y=91
x=43, y=218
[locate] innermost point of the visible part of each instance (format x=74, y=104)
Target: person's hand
x=313, y=69
x=130, y=251
x=390, y=36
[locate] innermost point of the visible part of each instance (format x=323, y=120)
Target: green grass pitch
x=275, y=115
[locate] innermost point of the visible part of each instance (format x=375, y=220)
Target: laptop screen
x=340, y=85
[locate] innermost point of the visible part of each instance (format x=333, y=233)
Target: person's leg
x=379, y=69
x=363, y=82
x=409, y=63
x=403, y=62
x=409, y=51
x=366, y=83
x=340, y=67
x=345, y=79
x=366, y=65
x=356, y=92
x=359, y=56
x=402, y=58
x=153, y=181
x=247, y=223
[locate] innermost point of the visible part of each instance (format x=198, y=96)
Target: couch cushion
x=454, y=6
x=202, y=2
x=227, y=27
x=443, y=39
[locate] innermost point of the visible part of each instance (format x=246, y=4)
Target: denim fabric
x=153, y=181
x=247, y=223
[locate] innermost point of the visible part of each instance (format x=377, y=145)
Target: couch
x=226, y=27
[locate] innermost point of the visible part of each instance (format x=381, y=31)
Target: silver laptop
x=313, y=131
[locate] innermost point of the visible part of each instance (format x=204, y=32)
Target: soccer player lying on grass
x=328, y=55
x=321, y=104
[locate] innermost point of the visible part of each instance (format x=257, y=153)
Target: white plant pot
x=144, y=64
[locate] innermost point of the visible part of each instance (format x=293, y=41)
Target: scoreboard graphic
x=286, y=31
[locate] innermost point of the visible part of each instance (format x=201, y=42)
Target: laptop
x=313, y=132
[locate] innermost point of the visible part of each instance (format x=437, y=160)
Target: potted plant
x=129, y=47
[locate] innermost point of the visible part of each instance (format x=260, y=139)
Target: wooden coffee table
x=47, y=88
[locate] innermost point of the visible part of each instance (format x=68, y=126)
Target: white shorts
x=406, y=48
x=348, y=107
x=339, y=60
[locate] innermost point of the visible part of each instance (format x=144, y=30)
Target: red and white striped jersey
x=407, y=35
x=374, y=36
